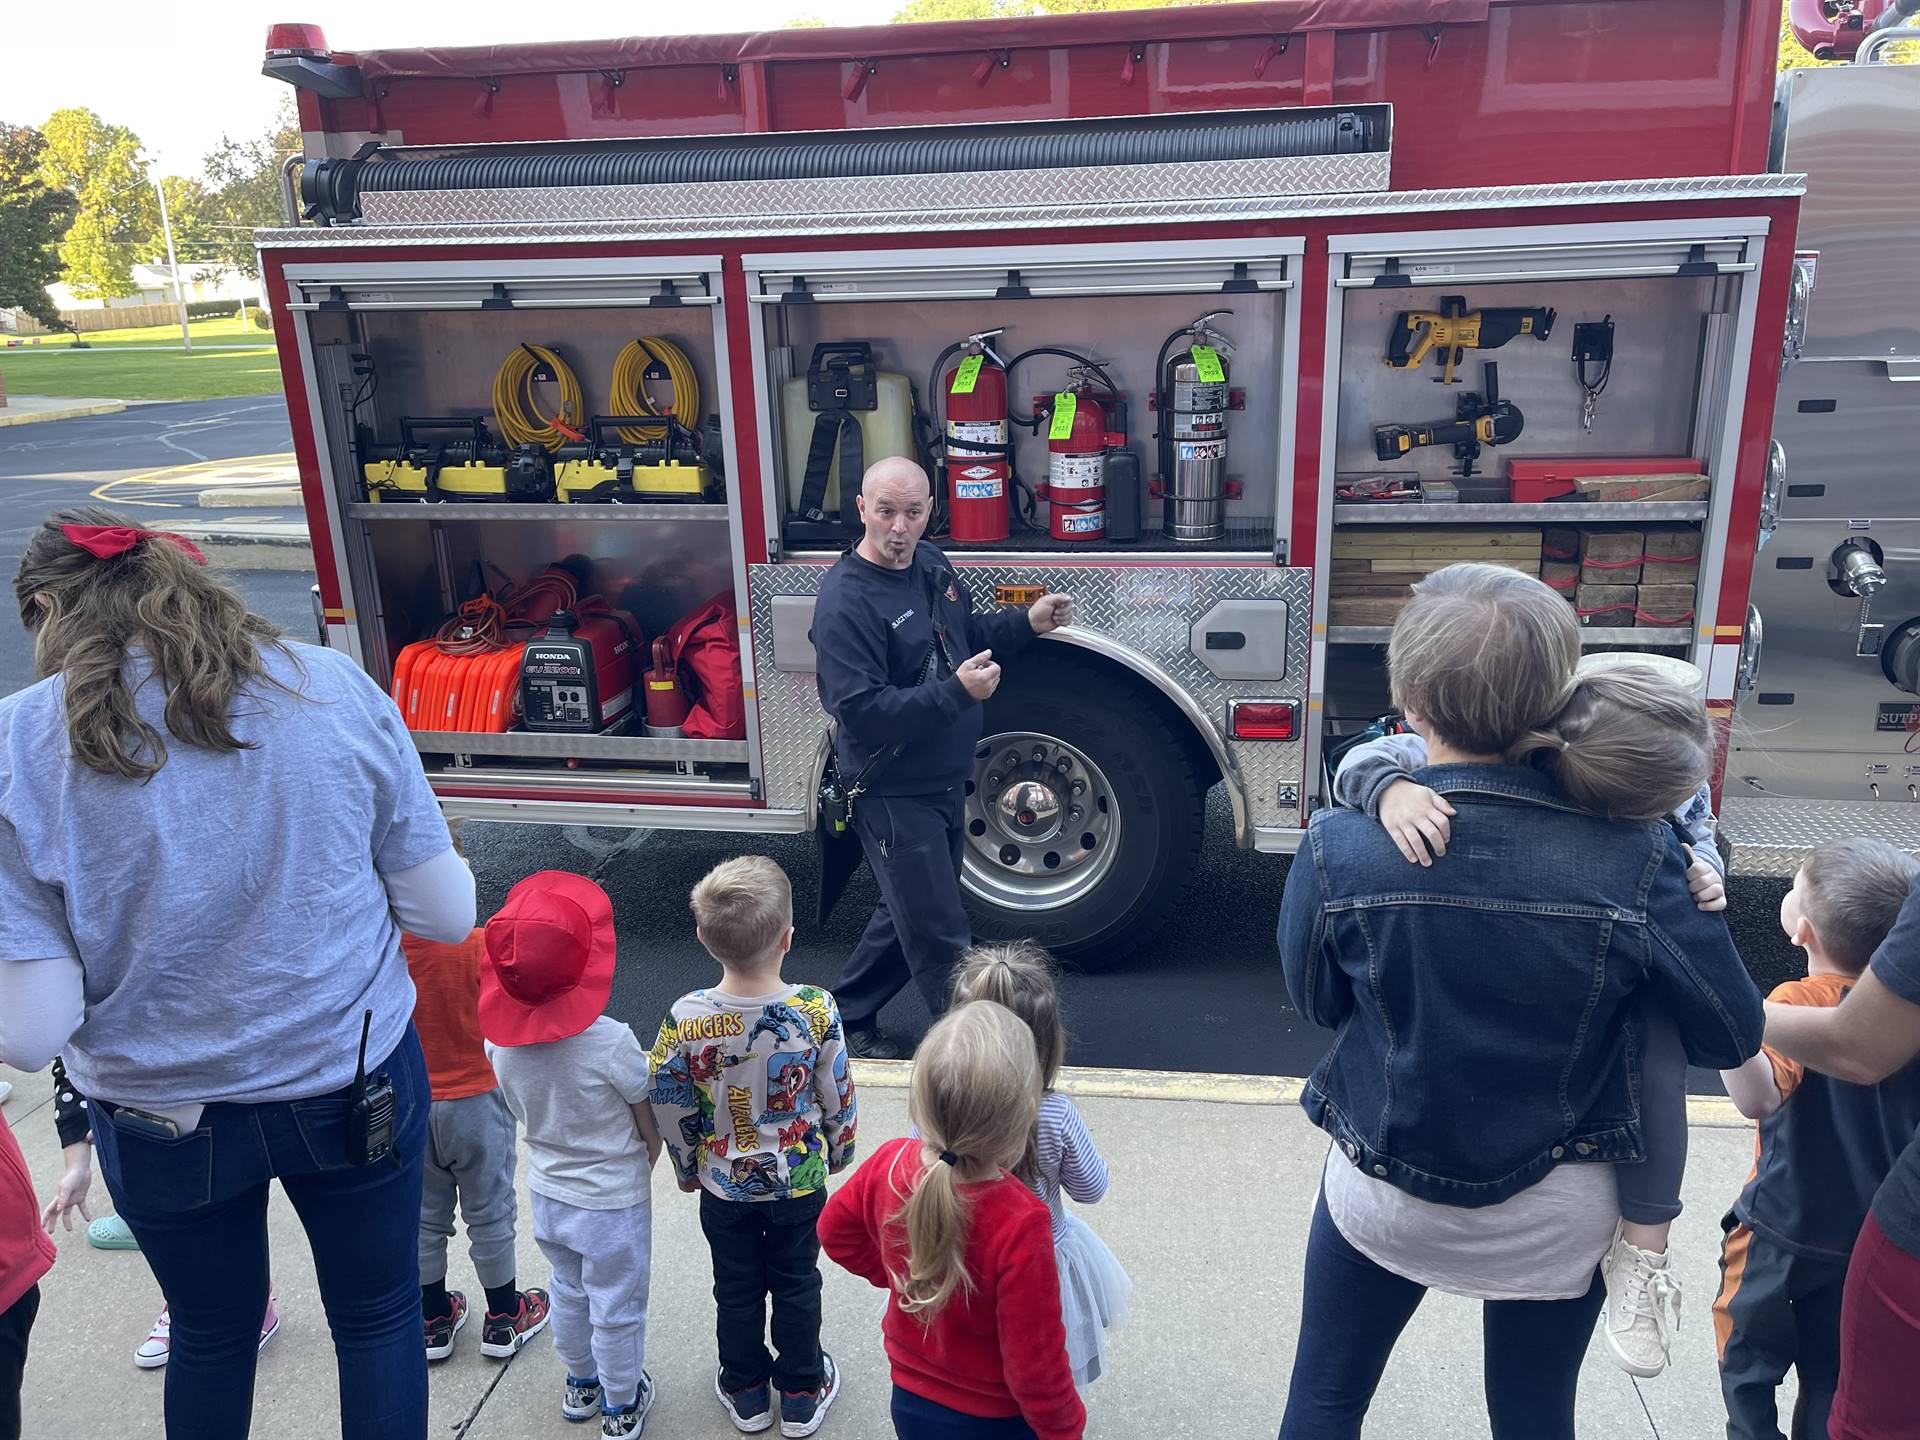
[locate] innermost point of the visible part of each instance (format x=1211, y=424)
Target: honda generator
x=578, y=678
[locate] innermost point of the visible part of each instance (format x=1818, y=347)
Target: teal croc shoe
x=110, y=1232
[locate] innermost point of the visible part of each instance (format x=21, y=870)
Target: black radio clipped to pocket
x=370, y=1120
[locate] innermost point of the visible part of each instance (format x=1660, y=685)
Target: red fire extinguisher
x=666, y=698
x=1078, y=438
x=978, y=461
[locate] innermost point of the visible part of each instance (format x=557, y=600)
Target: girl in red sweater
x=973, y=1330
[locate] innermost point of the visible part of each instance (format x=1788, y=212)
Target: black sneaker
x=801, y=1411
x=442, y=1328
x=870, y=1042
x=502, y=1335
x=628, y=1420
x=751, y=1410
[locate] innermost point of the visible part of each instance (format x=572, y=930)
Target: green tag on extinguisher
x=966, y=375
x=1206, y=360
x=1064, y=406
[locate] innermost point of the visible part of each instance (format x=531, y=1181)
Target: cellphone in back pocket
x=142, y=1122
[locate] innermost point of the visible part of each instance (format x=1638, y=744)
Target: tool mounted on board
x=455, y=458
x=1592, y=345
x=1454, y=330
x=1478, y=420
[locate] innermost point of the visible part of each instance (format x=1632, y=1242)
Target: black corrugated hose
x=332, y=188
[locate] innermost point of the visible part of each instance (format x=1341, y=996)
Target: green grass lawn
x=141, y=375
x=219, y=329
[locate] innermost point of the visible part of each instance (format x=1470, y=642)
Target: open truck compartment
x=1583, y=430
x=529, y=467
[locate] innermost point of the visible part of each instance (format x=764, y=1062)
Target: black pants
x=1353, y=1314
x=14, y=1325
x=913, y=843
x=1776, y=1311
x=917, y=1418
x=766, y=1248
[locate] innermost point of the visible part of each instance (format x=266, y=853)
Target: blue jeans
x=198, y=1207
x=917, y=1418
x=1354, y=1312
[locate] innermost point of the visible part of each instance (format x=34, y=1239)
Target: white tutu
x=1094, y=1290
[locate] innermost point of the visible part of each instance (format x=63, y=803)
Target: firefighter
x=904, y=665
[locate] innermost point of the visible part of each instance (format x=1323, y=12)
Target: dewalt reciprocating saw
x=1456, y=329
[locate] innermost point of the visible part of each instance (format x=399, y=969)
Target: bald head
x=898, y=476
x=896, y=501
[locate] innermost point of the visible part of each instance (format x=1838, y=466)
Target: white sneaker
x=157, y=1348
x=6, y=1091
x=158, y=1345
x=1643, y=1308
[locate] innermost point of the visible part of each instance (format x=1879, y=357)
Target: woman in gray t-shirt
x=210, y=839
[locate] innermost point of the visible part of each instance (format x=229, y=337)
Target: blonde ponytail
x=1628, y=744
x=976, y=1086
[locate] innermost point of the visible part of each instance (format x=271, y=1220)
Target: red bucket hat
x=549, y=960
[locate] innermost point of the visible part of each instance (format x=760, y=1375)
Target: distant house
x=153, y=285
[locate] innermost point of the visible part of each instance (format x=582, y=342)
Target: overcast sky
x=180, y=73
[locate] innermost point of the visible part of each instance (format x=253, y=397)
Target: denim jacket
x=1484, y=1007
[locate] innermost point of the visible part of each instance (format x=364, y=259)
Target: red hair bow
x=103, y=542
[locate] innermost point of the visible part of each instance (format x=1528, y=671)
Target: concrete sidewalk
x=1213, y=1183
x=32, y=409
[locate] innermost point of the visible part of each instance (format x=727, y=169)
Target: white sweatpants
x=602, y=1262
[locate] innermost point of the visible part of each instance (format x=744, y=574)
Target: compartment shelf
x=1548, y=512
x=484, y=510
x=580, y=747
x=1591, y=635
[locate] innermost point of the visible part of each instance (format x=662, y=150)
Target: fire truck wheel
x=1084, y=816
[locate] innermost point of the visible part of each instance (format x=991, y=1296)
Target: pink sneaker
x=157, y=1348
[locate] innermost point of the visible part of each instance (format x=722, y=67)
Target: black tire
x=1129, y=732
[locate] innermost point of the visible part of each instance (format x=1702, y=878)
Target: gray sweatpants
x=470, y=1155
x=602, y=1264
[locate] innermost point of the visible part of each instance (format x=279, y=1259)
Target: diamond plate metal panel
x=1772, y=837
x=1147, y=609
x=465, y=217
x=855, y=196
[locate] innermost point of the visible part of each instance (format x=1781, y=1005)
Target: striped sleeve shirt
x=1068, y=1160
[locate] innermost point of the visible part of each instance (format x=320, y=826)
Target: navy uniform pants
x=913, y=844
x=1776, y=1311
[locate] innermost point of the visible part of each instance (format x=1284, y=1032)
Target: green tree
x=243, y=191
x=100, y=164
x=33, y=217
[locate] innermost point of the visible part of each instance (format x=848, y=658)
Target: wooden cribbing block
x=1606, y=605
x=1611, y=557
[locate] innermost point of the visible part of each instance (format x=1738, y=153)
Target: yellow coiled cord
x=516, y=409
x=627, y=394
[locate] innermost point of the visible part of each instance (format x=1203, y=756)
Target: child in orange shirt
x=471, y=1145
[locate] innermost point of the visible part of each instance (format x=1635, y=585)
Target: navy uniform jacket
x=872, y=631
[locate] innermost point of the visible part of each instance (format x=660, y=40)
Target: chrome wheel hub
x=1042, y=824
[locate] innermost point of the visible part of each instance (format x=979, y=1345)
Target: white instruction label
x=1076, y=472
x=1084, y=522
x=976, y=432
x=978, y=489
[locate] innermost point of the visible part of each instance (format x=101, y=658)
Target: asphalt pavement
x=1205, y=996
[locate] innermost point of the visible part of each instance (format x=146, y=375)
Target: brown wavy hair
x=85, y=614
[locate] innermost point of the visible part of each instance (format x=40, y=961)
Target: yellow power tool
x=1454, y=330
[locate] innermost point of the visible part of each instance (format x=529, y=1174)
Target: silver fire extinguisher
x=1193, y=403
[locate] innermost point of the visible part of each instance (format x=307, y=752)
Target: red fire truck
x=1228, y=321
